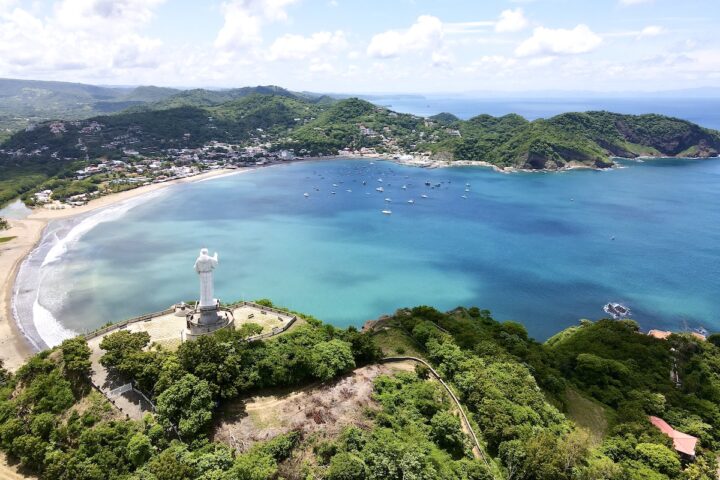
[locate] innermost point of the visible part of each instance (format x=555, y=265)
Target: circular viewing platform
x=202, y=321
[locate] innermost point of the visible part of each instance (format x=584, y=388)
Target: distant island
x=177, y=133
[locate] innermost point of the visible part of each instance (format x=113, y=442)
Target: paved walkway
x=130, y=403
x=165, y=329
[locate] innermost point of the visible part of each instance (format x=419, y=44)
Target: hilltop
x=254, y=122
x=27, y=102
x=339, y=404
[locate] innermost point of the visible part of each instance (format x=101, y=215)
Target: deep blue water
x=703, y=111
x=542, y=249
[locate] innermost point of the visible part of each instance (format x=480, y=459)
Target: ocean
x=543, y=249
x=703, y=111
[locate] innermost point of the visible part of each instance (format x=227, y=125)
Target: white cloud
x=425, y=35
x=78, y=35
x=244, y=19
x=511, y=21
x=104, y=14
x=651, y=31
x=456, y=28
x=321, y=67
x=547, y=41
x=295, y=47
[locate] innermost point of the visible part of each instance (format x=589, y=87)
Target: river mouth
x=544, y=250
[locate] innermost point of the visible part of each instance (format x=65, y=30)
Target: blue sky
x=367, y=45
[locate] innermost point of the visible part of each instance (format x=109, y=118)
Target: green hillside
x=575, y=407
x=26, y=102
x=317, y=125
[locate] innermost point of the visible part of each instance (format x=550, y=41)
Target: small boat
x=306, y=195
x=333, y=193
x=467, y=184
x=428, y=183
x=335, y=185
x=411, y=202
x=467, y=189
x=423, y=196
x=348, y=190
x=372, y=163
x=380, y=189
x=404, y=187
x=464, y=196
x=364, y=182
x=387, y=212
x=616, y=310
x=388, y=200
x=380, y=180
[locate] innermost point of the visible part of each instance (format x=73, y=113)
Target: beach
x=14, y=347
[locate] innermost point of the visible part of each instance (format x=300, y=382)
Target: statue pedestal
x=206, y=320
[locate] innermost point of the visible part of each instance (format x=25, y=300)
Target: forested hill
x=577, y=407
x=312, y=125
x=25, y=102
x=320, y=125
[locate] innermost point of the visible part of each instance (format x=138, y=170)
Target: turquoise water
x=542, y=249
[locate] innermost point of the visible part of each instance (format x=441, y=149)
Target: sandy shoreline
x=14, y=347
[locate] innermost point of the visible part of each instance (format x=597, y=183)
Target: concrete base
x=206, y=320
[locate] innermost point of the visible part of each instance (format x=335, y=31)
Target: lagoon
x=544, y=249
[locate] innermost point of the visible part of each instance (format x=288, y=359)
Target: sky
x=367, y=46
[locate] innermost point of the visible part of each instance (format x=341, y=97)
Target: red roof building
x=683, y=443
x=659, y=334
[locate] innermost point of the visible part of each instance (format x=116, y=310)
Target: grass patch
x=395, y=342
x=6, y=239
x=587, y=414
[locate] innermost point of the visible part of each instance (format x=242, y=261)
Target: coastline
x=15, y=348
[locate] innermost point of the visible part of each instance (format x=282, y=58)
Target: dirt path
x=320, y=407
x=9, y=473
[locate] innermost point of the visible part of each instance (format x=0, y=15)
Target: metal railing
x=124, y=323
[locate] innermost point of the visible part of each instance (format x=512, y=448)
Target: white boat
x=423, y=196
x=348, y=190
x=387, y=212
x=404, y=187
x=467, y=189
x=380, y=180
x=464, y=196
x=335, y=185
x=333, y=193
x=306, y=195
x=467, y=184
x=388, y=200
x=411, y=201
x=380, y=189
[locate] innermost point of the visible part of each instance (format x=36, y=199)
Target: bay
x=544, y=249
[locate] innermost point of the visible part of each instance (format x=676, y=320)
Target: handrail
x=452, y=395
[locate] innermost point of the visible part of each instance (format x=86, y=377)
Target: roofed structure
x=683, y=443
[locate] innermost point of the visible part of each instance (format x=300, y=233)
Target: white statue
x=204, y=266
